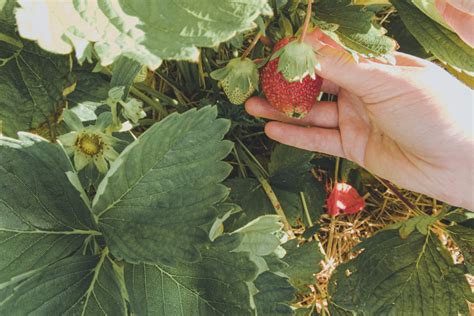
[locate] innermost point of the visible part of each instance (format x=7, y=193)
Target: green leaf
x=7, y=16
x=346, y=169
x=274, y=295
x=286, y=162
x=289, y=176
x=124, y=73
x=408, y=43
x=356, y=29
x=79, y=285
x=31, y=86
x=393, y=276
x=163, y=187
x=464, y=239
x=458, y=215
x=90, y=92
x=420, y=223
x=258, y=236
x=344, y=14
x=261, y=239
x=441, y=42
x=374, y=42
x=216, y=285
x=254, y=202
x=289, y=164
x=303, y=263
x=248, y=194
x=292, y=181
x=6, y=291
x=11, y=46
x=271, y=290
x=2, y=4
x=275, y=263
x=306, y=311
x=147, y=31
x=225, y=210
x=42, y=216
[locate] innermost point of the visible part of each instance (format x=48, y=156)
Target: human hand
x=411, y=123
x=459, y=14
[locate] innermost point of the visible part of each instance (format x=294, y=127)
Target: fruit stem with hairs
x=332, y=224
x=251, y=46
x=306, y=22
x=242, y=152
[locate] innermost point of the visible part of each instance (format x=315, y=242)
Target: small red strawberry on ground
x=295, y=99
x=344, y=199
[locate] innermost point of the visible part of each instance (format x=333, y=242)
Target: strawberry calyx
x=296, y=61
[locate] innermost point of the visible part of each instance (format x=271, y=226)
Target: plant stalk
x=332, y=225
x=332, y=229
x=251, y=46
x=149, y=101
x=268, y=191
x=306, y=210
x=306, y=21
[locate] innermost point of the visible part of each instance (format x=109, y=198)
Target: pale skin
x=410, y=123
x=459, y=14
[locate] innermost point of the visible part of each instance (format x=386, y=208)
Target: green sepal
x=220, y=74
x=297, y=60
x=239, y=79
x=72, y=120
x=421, y=223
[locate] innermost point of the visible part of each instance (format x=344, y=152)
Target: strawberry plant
x=132, y=182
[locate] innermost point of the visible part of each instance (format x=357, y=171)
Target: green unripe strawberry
x=239, y=79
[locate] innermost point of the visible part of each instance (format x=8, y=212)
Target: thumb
x=459, y=14
x=466, y=6
x=339, y=67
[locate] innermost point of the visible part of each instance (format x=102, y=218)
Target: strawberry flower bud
x=133, y=110
x=115, y=94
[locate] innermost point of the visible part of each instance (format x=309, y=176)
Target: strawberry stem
x=332, y=224
x=244, y=153
x=251, y=46
x=306, y=21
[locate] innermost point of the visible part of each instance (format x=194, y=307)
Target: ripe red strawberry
x=344, y=199
x=295, y=99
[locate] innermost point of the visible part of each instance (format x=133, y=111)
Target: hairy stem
x=251, y=46
x=332, y=229
x=306, y=21
x=332, y=225
x=267, y=189
x=306, y=211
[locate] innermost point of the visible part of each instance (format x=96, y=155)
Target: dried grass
x=383, y=207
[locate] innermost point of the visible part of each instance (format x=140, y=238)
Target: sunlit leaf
x=147, y=31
